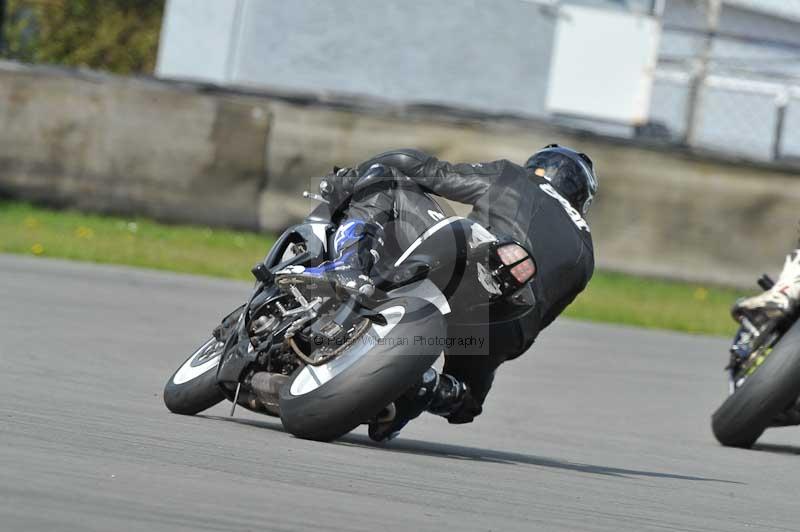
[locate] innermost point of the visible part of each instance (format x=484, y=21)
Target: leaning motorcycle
x=763, y=380
x=325, y=365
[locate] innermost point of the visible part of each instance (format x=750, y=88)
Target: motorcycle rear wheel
x=326, y=402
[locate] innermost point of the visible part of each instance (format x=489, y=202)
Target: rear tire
x=746, y=414
x=193, y=387
x=374, y=380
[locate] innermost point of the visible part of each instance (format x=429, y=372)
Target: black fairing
x=238, y=354
x=295, y=235
x=320, y=214
x=236, y=358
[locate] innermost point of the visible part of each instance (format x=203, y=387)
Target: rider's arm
x=464, y=183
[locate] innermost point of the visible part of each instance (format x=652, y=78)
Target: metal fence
x=728, y=77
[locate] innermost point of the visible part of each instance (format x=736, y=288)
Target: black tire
x=374, y=380
x=746, y=414
x=193, y=387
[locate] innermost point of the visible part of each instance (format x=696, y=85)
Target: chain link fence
x=728, y=77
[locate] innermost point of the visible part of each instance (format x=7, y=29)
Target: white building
x=497, y=56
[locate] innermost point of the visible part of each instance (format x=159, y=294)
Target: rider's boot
x=357, y=246
x=439, y=394
x=777, y=302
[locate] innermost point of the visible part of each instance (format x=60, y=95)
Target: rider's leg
x=458, y=392
x=401, y=209
x=476, y=351
x=381, y=218
x=356, y=247
x=437, y=393
x=498, y=342
x=779, y=300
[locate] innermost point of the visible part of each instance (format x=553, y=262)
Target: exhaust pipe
x=267, y=387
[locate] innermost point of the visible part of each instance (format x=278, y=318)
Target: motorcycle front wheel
x=193, y=387
x=767, y=392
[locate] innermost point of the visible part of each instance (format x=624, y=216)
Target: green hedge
x=116, y=35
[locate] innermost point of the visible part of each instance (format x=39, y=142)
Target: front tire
x=329, y=401
x=750, y=410
x=193, y=387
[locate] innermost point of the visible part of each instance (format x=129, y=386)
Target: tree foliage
x=116, y=35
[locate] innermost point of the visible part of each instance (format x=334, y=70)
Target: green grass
x=610, y=297
x=658, y=304
x=138, y=242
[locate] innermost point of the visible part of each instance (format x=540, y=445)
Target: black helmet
x=570, y=172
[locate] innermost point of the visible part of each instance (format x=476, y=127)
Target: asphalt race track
x=598, y=428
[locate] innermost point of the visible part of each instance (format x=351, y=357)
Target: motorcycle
x=763, y=380
x=325, y=365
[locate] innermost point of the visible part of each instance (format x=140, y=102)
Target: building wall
x=107, y=144
x=198, y=39
x=485, y=55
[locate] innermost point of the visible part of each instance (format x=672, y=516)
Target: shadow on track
x=776, y=448
x=460, y=452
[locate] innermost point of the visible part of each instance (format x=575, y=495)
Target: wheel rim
x=312, y=377
x=201, y=362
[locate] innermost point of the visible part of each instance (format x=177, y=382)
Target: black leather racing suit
x=511, y=201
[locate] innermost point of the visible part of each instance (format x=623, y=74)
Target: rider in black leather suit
x=540, y=205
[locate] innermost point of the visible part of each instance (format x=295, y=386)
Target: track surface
x=598, y=428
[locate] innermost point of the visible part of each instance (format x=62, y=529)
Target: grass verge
x=657, y=304
x=610, y=297
x=134, y=241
